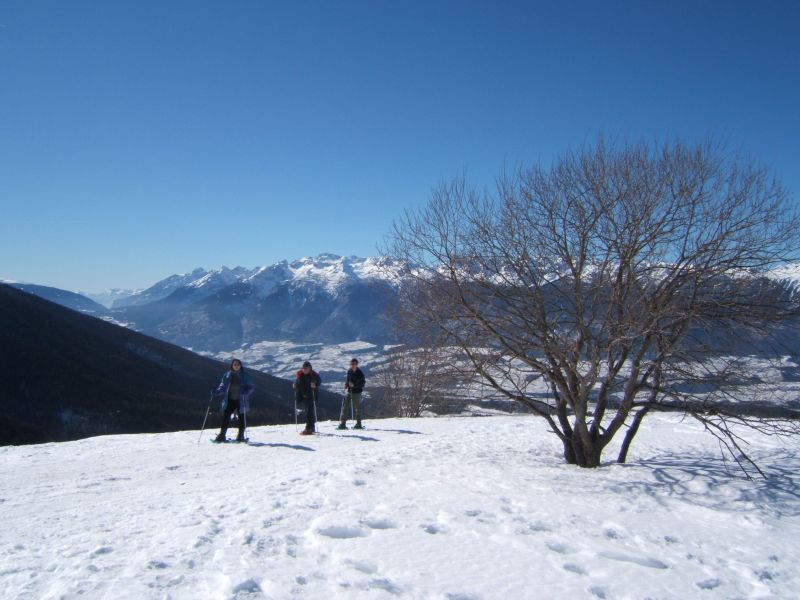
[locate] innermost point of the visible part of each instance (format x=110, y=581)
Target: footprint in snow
x=598, y=592
x=378, y=523
x=342, y=532
x=365, y=567
x=386, y=585
x=558, y=547
x=103, y=550
x=248, y=589
x=652, y=563
x=535, y=527
x=433, y=529
x=573, y=568
x=708, y=584
x=207, y=538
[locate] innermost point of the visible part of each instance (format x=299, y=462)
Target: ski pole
x=210, y=400
x=314, y=397
x=295, y=412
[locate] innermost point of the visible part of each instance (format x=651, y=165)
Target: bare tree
x=625, y=279
x=412, y=380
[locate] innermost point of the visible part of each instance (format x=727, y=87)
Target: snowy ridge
x=218, y=278
x=160, y=290
x=440, y=509
x=327, y=270
x=333, y=271
x=790, y=272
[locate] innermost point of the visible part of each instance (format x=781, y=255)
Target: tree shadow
x=281, y=445
x=363, y=438
x=404, y=431
x=713, y=482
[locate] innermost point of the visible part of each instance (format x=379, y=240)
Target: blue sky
x=144, y=138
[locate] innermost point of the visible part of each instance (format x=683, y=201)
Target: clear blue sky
x=144, y=138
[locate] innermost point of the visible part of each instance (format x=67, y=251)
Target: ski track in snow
x=445, y=509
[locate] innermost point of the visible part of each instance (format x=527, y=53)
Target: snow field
x=440, y=509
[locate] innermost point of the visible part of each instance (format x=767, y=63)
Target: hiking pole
x=314, y=397
x=210, y=400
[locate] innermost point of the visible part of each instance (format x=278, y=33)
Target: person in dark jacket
x=353, y=386
x=305, y=388
x=234, y=392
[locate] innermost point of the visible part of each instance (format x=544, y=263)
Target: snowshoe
x=342, y=426
x=358, y=426
x=307, y=432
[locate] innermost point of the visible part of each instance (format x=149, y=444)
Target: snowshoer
x=305, y=388
x=234, y=391
x=353, y=386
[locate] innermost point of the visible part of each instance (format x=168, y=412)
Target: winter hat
x=306, y=364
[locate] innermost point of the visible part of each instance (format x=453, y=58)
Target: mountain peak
x=327, y=269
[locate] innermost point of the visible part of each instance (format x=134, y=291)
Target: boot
x=240, y=437
x=307, y=432
x=220, y=438
x=358, y=425
x=342, y=426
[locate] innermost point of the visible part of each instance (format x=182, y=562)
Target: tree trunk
x=569, y=453
x=578, y=453
x=631, y=433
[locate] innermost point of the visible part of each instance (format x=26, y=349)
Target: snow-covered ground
x=451, y=508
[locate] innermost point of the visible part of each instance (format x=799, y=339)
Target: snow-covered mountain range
x=329, y=272
x=328, y=299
